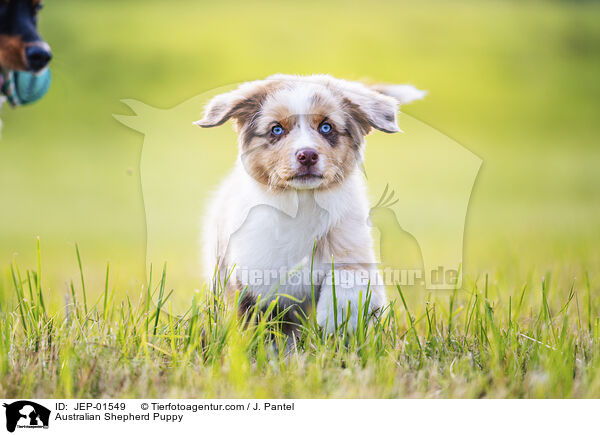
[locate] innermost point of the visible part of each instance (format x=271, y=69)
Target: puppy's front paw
x=347, y=307
x=327, y=317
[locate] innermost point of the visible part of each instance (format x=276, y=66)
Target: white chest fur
x=269, y=236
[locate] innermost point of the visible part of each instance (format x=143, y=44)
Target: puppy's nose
x=307, y=156
x=37, y=57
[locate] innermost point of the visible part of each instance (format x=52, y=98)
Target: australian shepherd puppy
x=291, y=219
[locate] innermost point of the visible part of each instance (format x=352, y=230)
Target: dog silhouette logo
x=418, y=225
x=26, y=415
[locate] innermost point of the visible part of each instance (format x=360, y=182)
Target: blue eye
x=277, y=130
x=325, y=128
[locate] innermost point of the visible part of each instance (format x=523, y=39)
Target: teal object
x=22, y=87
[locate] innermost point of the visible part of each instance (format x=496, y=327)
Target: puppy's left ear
x=376, y=106
x=371, y=109
x=403, y=94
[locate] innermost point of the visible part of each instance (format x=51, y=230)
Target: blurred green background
x=517, y=83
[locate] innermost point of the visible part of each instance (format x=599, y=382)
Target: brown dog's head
x=21, y=47
x=305, y=132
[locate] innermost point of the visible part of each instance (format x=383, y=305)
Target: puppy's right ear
x=240, y=104
x=220, y=109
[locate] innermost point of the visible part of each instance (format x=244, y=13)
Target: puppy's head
x=21, y=47
x=305, y=132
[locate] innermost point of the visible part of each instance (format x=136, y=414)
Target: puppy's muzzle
x=307, y=157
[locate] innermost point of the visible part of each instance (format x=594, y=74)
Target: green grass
x=537, y=341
